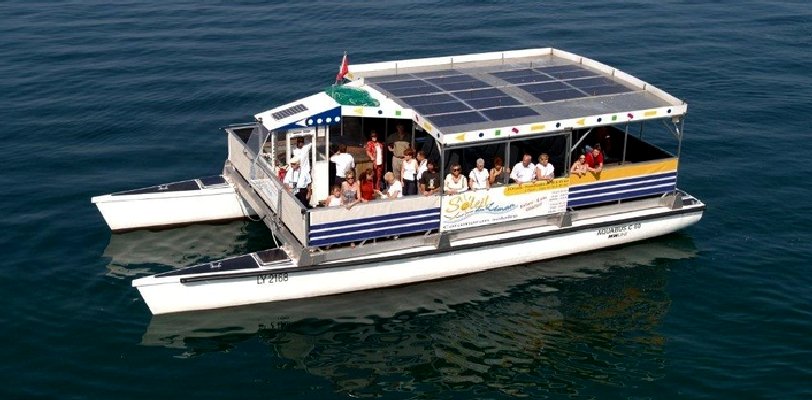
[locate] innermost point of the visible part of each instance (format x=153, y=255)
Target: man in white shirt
x=298, y=182
x=544, y=170
x=299, y=151
x=478, y=178
x=422, y=164
x=524, y=172
x=344, y=164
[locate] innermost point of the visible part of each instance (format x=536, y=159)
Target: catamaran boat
x=454, y=111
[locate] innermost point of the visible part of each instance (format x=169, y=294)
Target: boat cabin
x=497, y=107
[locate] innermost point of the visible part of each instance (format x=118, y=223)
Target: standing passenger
x=367, y=186
x=395, y=188
x=344, y=163
x=374, y=150
x=298, y=182
x=478, y=178
x=422, y=164
x=594, y=160
x=409, y=173
x=350, y=191
x=579, y=167
x=455, y=182
x=499, y=173
x=398, y=142
x=430, y=181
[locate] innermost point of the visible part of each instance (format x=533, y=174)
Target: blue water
x=105, y=96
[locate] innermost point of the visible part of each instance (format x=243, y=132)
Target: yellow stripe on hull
x=613, y=172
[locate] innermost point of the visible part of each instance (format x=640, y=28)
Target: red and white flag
x=344, y=69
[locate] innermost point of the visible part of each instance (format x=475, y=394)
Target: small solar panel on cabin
x=572, y=74
x=490, y=102
x=463, y=85
x=428, y=99
x=544, y=87
x=414, y=91
x=605, y=90
x=451, y=79
x=441, y=108
x=443, y=120
x=591, y=82
x=559, y=95
x=403, y=84
x=498, y=114
x=479, y=94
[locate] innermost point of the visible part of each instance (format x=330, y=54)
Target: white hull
x=167, y=294
x=134, y=211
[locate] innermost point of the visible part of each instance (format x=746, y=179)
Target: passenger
x=409, y=173
x=594, y=160
x=298, y=151
x=398, y=142
x=525, y=171
x=430, y=181
x=422, y=164
x=544, y=170
x=579, y=167
x=455, y=182
x=344, y=163
x=395, y=188
x=499, y=173
x=333, y=199
x=367, y=186
x=298, y=182
x=478, y=179
x=374, y=150
x=350, y=191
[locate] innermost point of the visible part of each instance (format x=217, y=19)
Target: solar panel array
x=453, y=98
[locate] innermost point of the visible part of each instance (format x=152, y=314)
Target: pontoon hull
x=123, y=211
x=169, y=295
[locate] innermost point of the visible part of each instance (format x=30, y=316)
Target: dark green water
x=101, y=96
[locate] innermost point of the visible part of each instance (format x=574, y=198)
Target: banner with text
x=505, y=203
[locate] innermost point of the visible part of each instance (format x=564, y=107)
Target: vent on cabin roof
x=292, y=110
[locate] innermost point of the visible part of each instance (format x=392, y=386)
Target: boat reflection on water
x=146, y=252
x=544, y=318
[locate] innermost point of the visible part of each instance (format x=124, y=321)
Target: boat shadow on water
x=603, y=306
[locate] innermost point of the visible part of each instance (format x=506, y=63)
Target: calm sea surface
x=102, y=96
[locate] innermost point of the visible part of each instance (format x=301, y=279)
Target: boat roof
x=493, y=95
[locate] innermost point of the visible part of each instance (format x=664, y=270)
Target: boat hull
x=153, y=207
x=174, y=294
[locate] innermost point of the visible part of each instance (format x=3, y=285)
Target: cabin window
x=617, y=148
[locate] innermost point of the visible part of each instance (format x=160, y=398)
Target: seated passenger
x=499, y=173
x=395, y=188
x=350, y=191
x=544, y=170
x=334, y=199
x=367, y=185
x=594, y=160
x=408, y=172
x=579, y=167
x=430, y=181
x=478, y=178
x=455, y=182
x=525, y=171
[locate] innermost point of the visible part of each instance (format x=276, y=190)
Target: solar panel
x=489, y=102
x=514, y=73
x=572, y=74
x=403, y=84
x=544, y=87
x=497, y=114
x=414, y=91
x=452, y=79
x=429, y=99
x=591, y=82
x=479, y=94
x=442, y=120
x=530, y=78
x=559, y=95
x=389, y=78
x=463, y=85
x=605, y=90
x=432, y=74
x=441, y=108
x=559, y=68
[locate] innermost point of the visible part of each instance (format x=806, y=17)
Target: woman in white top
x=544, y=170
x=478, y=178
x=455, y=182
x=334, y=199
x=395, y=189
x=408, y=172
